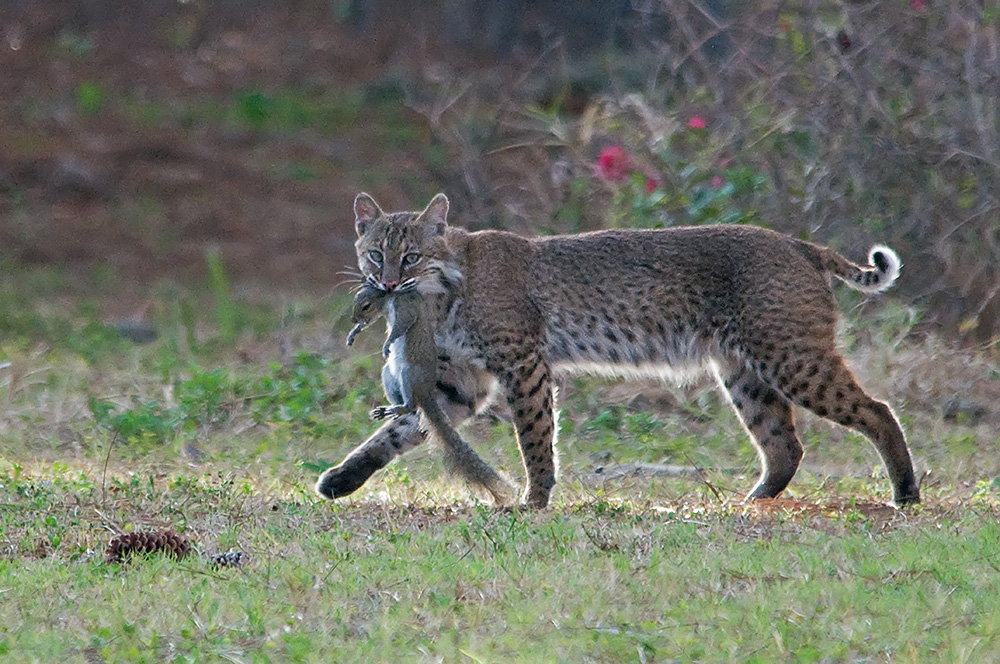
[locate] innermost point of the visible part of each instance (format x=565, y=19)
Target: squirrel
x=409, y=379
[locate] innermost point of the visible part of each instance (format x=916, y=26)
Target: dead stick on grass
x=704, y=479
x=109, y=523
x=104, y=473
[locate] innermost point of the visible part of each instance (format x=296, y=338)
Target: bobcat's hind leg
x=767, y=417
x=828, y=388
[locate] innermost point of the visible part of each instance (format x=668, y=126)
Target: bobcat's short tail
x=880, y=273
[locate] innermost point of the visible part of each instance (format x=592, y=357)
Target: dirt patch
x=129, y=147
x=832, y=509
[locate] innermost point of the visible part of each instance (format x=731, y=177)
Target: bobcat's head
x=402, y=251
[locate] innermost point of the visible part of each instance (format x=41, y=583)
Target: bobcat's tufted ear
x=435, y=216
x=366, y=210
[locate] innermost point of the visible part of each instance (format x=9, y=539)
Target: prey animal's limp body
x=409, y=378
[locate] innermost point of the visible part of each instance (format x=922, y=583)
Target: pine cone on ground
x=166, y=542
x=229, y=559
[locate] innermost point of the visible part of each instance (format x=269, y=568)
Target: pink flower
x=918, y=5
x=651, y=185
x=717, y=182
x=614, y=164
x=696, y=122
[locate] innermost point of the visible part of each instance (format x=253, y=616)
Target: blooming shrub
x=614, y=164
x=677, y=181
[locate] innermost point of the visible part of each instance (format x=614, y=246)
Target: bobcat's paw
x=349, y=476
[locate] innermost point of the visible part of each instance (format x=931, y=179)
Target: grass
x=222, y=442
x=433, y=580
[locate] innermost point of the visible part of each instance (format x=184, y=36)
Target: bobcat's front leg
x=392, y=439
x=530, y=393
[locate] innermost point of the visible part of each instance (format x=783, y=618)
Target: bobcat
x=410, y=377
x=751, y=306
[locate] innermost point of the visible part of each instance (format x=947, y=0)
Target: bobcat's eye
x=411, y=259
x=376, y=257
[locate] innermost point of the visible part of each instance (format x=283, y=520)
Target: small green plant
x=90, y=97
x=294, y=394
x=207, y=397
x=144, y=422
x=256, y=109
x=608, y=420
x=291, y=110
x=225, y=310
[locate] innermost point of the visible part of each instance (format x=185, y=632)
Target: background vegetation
x=176, y=183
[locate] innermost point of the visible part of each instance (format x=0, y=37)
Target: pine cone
x=230, y=559
x=166, y=542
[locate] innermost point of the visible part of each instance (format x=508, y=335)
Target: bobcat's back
x=664, y=303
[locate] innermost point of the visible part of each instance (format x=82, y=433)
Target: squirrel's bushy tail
x=463, y=460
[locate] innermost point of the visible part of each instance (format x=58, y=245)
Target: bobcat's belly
x=669, y=351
